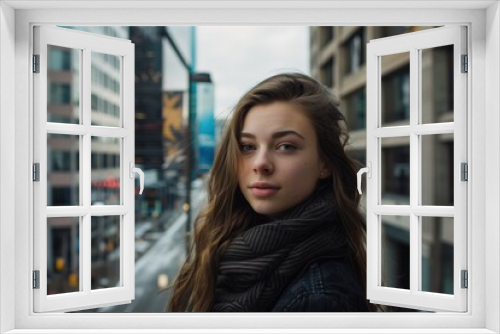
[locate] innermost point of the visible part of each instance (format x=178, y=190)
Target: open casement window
x=83, y=171
x=416, y=164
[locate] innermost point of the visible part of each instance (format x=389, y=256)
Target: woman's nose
x=263, y=163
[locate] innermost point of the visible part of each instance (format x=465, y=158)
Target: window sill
x=251, y=331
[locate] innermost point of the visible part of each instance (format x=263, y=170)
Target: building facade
x=338, y=60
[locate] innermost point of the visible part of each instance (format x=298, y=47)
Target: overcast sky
x=237, y=58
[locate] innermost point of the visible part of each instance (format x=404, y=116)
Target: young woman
x=281, y=230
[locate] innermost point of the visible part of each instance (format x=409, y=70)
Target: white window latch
x=134, y=170
x=368, y=171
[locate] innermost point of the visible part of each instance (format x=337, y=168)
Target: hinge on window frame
x=36, y=172
x=465, y=171
x=36, y=279
x=36, y=63
x=465, y=279
x=465, y=64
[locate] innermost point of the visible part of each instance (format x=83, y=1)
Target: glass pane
x=437, y=84
x=105, y=252
x=105, y=171
x=63, y=85
x=395, y=88
x=437, y=169
x=63, y=170
x=437, y=254
x=395, y=166
x=105, y=99
x=395, y=251
x=63, y=255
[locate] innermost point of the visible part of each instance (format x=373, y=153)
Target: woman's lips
x=263, y=192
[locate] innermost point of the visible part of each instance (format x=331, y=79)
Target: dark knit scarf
x=259, y=263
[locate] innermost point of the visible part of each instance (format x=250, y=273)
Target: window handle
x=134, y=170
x=368, y=171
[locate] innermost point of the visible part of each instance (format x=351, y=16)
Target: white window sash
x=85, y=298
x=414, y=297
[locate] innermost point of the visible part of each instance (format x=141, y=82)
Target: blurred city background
x=187, y=79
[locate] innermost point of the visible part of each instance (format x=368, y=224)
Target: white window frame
x=16, y=21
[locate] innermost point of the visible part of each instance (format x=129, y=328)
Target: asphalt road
x=165, y=257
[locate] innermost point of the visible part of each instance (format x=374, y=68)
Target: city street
x=164, y=257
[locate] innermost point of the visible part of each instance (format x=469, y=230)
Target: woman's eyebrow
x=275, y=135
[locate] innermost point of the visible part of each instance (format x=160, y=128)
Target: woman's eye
x=246, y=147
x=287, y=147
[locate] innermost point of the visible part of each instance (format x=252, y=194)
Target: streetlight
x=194, y=78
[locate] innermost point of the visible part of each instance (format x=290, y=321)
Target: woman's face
x=279, y=162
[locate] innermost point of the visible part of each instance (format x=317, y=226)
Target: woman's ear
x=324, y=172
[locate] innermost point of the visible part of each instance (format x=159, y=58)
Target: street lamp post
x=190, y=157
x=194, y=78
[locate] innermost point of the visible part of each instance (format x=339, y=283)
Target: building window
x=328, y=72
x=60, y=93
x=327, y=34
x=356, y=49
x=59, y=59
x=61, y=161
x=354, y=106
x=94, y=102
x=95, y=161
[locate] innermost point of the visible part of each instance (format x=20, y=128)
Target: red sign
x=110, y=183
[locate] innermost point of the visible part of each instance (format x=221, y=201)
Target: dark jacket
x=326, y=285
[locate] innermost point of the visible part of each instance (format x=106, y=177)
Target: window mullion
x=83, y=283
x=415, y=173
x=86, y=152
x=86, y=172
x=85, y=274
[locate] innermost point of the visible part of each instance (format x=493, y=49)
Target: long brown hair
x=227, y=212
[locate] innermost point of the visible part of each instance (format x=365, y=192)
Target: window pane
x=355, y=52
x=395, y=166
x=63, y=170
x=63, y=85
x=326, y=35
x=437, y=84
x=328, y=72
x=354, y=106
x=105, y=252
x=395, y=97
x=106, y=98
x=437, y=169
x=105, y=171
x=63, y=255
x=437, y=254
x=395, y=251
